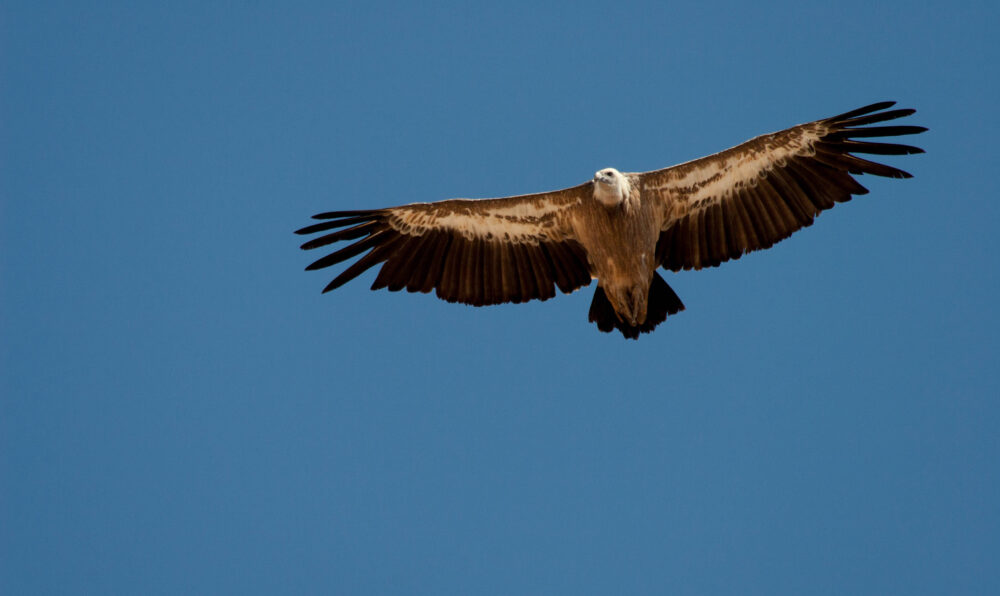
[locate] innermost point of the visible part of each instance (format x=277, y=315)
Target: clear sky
x=183, y=412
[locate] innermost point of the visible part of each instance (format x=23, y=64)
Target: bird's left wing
x=485, y=251
x=747, y=198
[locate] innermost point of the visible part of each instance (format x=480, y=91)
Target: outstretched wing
x=479, y=252
x=747, y=198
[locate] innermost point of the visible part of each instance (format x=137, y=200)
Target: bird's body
x=620, y=241
x=619, y=227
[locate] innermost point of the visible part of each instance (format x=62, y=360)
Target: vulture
x=619, y=227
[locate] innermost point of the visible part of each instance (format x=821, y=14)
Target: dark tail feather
x=662, y=302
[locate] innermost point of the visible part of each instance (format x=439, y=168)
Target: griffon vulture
x=617, y=228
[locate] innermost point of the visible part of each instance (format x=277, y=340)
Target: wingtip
x=337, y=282
x=875, y=107
x=881, y=105
x=343, y=214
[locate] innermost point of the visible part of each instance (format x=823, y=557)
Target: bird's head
x=611, y=187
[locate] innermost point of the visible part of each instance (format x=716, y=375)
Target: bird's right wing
x=485, y=251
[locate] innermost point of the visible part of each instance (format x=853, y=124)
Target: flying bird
x=617, y=228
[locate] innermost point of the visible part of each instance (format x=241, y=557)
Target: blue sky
x=182, y=411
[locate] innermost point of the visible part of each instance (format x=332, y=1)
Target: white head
x=611, y=187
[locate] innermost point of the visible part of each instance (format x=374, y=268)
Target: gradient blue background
x=183, y=412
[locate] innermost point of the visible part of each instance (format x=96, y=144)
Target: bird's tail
x=662, y=302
